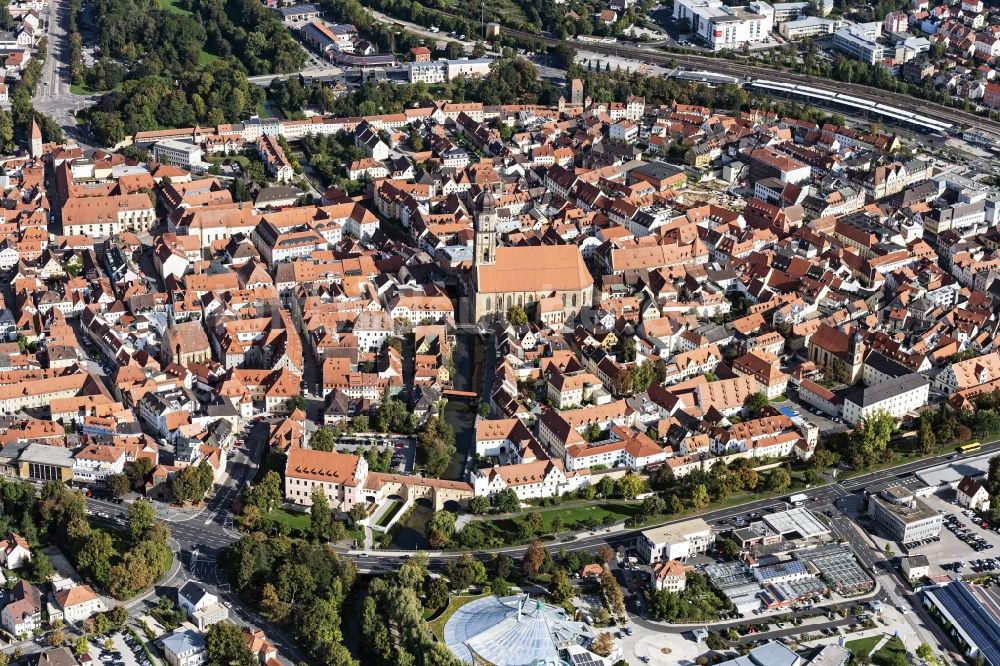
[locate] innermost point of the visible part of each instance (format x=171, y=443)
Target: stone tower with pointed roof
x=486, y=229
x=36, y=140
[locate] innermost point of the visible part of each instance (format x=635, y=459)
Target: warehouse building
x=972, y=614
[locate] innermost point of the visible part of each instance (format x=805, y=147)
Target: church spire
x=486, y=229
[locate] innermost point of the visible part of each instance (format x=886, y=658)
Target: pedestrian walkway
x=369, y=538
x=878, y=646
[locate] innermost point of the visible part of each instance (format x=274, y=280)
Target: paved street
x=53, y=96
x=201, y=535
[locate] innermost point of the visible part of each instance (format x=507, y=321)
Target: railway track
x=731, y=67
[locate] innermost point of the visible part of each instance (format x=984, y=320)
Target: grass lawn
x=242, y=160
x=863, y=646
x=893, y=646
x=390, y=513
x=173, y=6
x=205, y=58
x=85, y=90
x=168, y=559
x=293, y=519
x=574, y=516
x=454, y=603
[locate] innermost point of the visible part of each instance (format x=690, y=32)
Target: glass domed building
x=517, y=631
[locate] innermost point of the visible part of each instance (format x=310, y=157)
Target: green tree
x=358, y=513
x=606, y=487
x=322, y=440
x=627, y=350
x=118, y=484
x=319, y=514
x=95, y=554
x=266, y=495
x=40, y=567
x=728, y=547
x=531, y=525
x=80, y=647
x=560, y=588
x=192, y=483
x=141, y=518
x=141, y=469
x=507, y=501
x=225, y=645
x=517, y=316
x=479, y=505
x=440, y=529
x=465, y=572
x=435, y=446
x=926, y=653
x=869, y=440
x=437, y=593
x=628, y=486
x=926, y=438
x=6, y=132
x=823, y=458
x=993, y=477
x=359, y=423
x=699, y=496
x=652, y=506
x=755, y=404
x=780, y=479
x=296, y=402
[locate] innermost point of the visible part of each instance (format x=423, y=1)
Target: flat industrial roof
x=800, y=521
x=974, y=612
x=837, y=566
x=676, y=531
x=950, y=473
x=905, y=513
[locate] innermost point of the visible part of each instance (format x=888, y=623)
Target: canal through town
x=469, y=355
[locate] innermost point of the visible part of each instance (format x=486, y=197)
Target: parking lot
x=125, y=651
x=826, y=424
x=404, y=448
x=963, y=540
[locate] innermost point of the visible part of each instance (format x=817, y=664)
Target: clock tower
x=486, y=229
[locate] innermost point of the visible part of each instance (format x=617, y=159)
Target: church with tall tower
x=504, y=277
x=486, y=229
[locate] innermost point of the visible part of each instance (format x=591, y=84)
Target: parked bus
x=969, y=448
